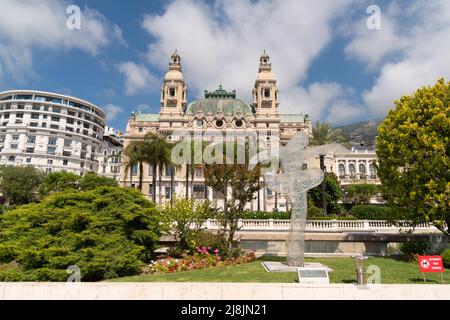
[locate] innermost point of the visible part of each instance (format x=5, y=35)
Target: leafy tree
x=19, y=184
x=243, y=182
x=137, y=152
x=361, y=193
x=413, y=148
x=107, y=232
x=333, y=194
x=62, y=181
x=323, y=133
x=184, y=219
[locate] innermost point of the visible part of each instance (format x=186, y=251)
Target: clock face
x=199, y=123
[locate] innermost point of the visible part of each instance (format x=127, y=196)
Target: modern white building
x=50, y=131
x=109, y=158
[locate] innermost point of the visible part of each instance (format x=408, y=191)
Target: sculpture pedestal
x=272, y=266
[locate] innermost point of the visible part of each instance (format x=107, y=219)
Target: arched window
x=352, y=170
x=341, y=170
x=372, y=171
x=362, y=169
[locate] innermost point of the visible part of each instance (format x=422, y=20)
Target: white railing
x=327, y=225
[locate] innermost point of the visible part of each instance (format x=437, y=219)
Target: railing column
x=271, y=224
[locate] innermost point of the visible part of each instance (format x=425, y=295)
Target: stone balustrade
x=327, y=226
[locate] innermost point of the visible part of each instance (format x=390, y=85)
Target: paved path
x=217, y=291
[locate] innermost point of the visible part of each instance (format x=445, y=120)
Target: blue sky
x=328, y=63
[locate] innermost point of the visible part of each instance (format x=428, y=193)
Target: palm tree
x=157, y=154
x=323, y=133
x=136, y=153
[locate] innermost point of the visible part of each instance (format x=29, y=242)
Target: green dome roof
x=219, y=100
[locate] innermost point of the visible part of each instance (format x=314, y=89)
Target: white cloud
x=26, y=25
x=412, y=51
x=222, y=43
x=112, y=111
x=137, y=78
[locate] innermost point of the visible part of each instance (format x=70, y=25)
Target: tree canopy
x=19, y=185
x=413, y=148
x=106, y=232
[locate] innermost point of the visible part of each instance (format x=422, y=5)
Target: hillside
x=361, y=134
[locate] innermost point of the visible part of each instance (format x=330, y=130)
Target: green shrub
x=372, y=212
x=276, y=215
x=446, y=258
x=213, y=240
x=107, y=232
x=412, y=250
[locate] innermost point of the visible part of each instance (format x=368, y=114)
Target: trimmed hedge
x=372, y=212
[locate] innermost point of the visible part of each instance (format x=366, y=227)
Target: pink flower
x=216, y=251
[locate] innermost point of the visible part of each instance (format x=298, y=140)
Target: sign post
x=431, y=264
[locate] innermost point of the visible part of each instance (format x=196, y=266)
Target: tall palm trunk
x=187, y=180
x=154, y=182
x=160, y=184
x=172, y=184
x=131, y=176
x=192, y=183
x=141, y=174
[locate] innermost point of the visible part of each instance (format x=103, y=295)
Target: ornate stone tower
x=265, y=93
x=173, y=92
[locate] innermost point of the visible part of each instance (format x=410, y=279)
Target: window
x=30, y=150
x=19, y=115
x=150, y=189
x=134, y=169
x=198, y=172
x=199, y=123
x=70, y=129
x=141, y=129
x=150, y=170
x=168, y=171
x=67, y=153
x=35, y=116
x=54, y=126
x=56, y=110
x=86, y=125
x=21, y=106
x=266, y=93
x=15, y=137
x=51, y=150
x=2, y=138
x=352, y=170
x=56, y=119
x=31, y=139
x=65, y=162
x=12, y=158
x=33, y=124
x=67, y=143
x=70, y=121
x=14, y=146
x=83, y=154
x=238, y=123
x=172, y=92
x=28, y=160
x=36, y=107
x=82, y=165
x=49, y=161
x=52, y=141
x=84, y=147
x=6, y=116
x=18, y=121
x=168, y=192
x=71, y=113
x=44, y=125
x=372, y=172
x=219, y=123
x=341, y=170
x=362, y=169
x=45, y=108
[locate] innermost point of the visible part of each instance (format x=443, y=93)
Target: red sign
x=431, y=264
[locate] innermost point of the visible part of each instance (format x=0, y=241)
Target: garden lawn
x=392, y=271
